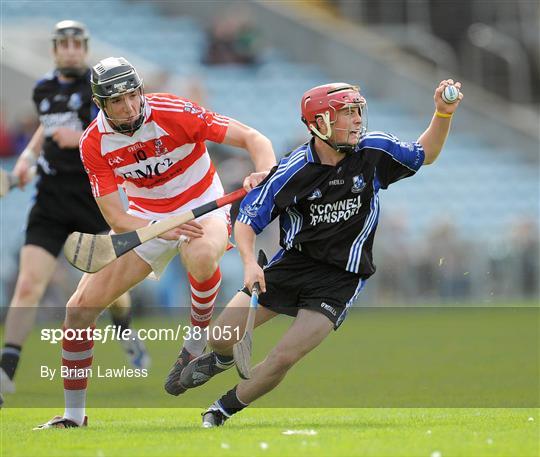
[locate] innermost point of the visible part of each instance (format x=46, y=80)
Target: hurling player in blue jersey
x=325, y=194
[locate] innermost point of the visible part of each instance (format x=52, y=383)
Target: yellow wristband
x=443, y=115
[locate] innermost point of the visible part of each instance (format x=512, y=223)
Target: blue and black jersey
x=330, y=213
x=62, y=104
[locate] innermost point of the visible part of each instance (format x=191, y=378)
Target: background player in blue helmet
x=325, y=194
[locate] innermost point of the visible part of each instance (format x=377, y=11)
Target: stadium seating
x=480, y=186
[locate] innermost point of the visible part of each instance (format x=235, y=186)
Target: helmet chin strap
x=127, y=128
x=344, y=147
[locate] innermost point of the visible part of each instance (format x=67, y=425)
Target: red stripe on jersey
x=166, y=205
x=156, y=177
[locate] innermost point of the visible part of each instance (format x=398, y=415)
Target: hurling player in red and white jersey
x=154, y=146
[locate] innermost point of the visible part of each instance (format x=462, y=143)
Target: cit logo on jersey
x=75, y=102
x=44, y=106
x=358, y=184
x=316, y=194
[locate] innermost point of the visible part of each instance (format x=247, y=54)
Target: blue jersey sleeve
x=272, y=196
x=398, y=160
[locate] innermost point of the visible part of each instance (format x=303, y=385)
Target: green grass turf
x=339, y=432
x=421, y=357
x=390, y=382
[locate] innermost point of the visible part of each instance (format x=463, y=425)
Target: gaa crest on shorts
x=358, y=184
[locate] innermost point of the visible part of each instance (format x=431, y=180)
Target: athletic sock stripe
x=77, y=346
x=201, y=318
x=204, y=303
x=207, y=284
x=202, y=312
x=80, y=355
x=204, y=293
x=221, y=408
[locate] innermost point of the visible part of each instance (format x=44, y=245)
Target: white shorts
x=159, y=252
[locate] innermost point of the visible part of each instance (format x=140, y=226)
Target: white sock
x=75, y=405
x=195, y=344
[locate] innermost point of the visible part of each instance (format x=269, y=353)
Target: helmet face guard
x=74, y=30
x=324, y=102
x=114, y=77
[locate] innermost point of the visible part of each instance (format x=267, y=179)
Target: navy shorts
x=294, y=282
x=62, y=205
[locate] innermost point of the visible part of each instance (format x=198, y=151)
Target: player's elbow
x=114, y=221
x=431, y=157
x=255, y=140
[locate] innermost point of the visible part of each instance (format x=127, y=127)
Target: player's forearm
x=433, y=139
x=245, y=242
x=35, y=145
x=260, y=151
x=254, y=142
x=113, y=211
x=74, y=139
x=121, y=223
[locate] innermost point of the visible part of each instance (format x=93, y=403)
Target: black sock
x=122, y=322
x=230, y=402
x=224, y=361
x=10, y=359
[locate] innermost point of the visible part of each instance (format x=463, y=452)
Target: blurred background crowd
x=463, y=231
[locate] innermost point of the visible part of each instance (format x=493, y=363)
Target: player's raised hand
x=254, y=179
x=446, y=98
x=22, y=170
x=189, y=230
x=65, y=137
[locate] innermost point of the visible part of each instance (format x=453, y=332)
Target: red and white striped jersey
x=164, y=165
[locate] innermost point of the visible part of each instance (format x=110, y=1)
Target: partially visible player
x=64, y=201
x=326, y=196
x=153, y=144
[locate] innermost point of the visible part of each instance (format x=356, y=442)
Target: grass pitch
x=280, y=432
x=423, y=382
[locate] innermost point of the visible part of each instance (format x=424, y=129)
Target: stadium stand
x=478, y=184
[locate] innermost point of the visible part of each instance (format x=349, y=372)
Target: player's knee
x=79, y=312
x=203, y=262
x=79, y=316
x=121, y=304
x=29, y=288
x=218, y=342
